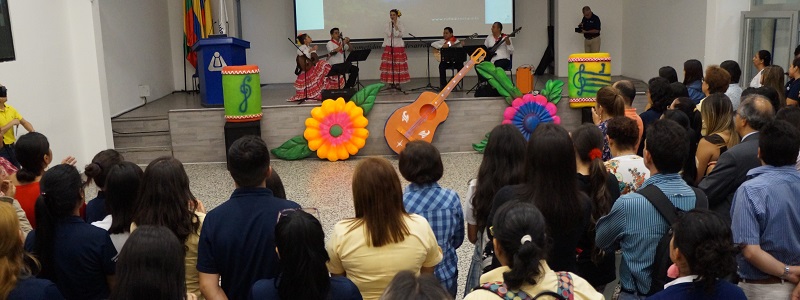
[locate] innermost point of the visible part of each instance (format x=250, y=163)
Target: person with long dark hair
x=121, y=190
x=689, y=171
x=300, y=243
x=382, y=239
x=659, y=95
x=77, y=256
x=521, y=244
x=702, y=249
x=500, y=167
x=668, y=73
x=693, y=79
x=550, y=172
x=165, y=200
x=151, y=266
x=688, y=107
x=408, y=286
x=761, y=60
x=594, y=265
x=96, y=172
x=311, y=78
x=773, y=76
x=17, y=281
x=394, y=61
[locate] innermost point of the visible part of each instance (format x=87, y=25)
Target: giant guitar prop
x=419, y=120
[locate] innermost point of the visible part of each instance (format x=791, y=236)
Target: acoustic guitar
x=419, y=120
x=437, y=53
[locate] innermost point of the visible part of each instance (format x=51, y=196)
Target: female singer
x=394, y=62
x=311, y=76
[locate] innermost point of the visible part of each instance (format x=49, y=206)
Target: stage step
x=144, y=155
x=146, y=139
x=132, y=125
x=142, y=139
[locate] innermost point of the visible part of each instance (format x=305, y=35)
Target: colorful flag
x=196, y=25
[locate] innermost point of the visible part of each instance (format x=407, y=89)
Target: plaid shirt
x=442, y=208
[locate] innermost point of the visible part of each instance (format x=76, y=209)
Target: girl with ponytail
x=96, y=172
x=77, y=256
x=603, y=190
x=521, y=245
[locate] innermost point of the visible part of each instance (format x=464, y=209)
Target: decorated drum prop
x=241, y=88
x=588, y=72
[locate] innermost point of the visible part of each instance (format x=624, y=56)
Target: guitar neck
x=445, y=92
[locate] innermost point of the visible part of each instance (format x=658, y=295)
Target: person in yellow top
x=9, y=117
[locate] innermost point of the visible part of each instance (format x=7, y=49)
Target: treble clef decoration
x=590, y=82
x=246, y=91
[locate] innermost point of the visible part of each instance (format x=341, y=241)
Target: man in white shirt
x=502, y=59
x=338, y=47
x=447, y=41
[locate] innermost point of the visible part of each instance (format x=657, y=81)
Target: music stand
x=357, y=56
x=428, y=69
x=454, y=56
x=471, y=49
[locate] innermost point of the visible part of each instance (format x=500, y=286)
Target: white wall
x=569, y=15
x=723, y=30
x=136, y=44
x=661, y=33
x=55, y=82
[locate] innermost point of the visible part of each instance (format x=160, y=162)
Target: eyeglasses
x=310, y=210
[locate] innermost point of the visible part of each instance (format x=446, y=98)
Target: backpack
x=501, y=290
x=670, y=213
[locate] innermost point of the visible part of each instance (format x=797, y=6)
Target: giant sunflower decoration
x=528, y=112
x=336, y=130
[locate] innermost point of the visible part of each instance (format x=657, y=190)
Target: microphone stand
x=394, y=85
x=305, y=76
x=428, y=69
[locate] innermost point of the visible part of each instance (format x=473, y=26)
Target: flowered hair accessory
x=595, y=154
x=397, y=11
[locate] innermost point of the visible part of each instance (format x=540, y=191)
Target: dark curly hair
x=705, y=240
x=624, y=132
x=513, y=222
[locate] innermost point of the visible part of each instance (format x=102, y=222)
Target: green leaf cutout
x=552, y=90
x=480, y=147
x=365, y=98
x=293, y=149
x=499, y=80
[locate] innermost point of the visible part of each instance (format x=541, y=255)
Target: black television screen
x=6, y=41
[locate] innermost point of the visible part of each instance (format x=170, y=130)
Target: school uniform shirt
x=118, y=239
x=341, y=289
x=336, y=57
x=793, y=89
x=685, y=288
x=96, y=208
x=82, y=258
x=503, y=52
x=547, y=281
x=31, y=288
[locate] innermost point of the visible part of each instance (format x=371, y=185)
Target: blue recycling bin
x=213, y=54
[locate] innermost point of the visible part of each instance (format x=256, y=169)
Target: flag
x=196, y=25
x=222, y=18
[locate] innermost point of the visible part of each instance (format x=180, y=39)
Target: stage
x=178, y=125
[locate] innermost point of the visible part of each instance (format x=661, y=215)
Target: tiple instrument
x=419, y=120
x=437, y=53
x=493, y=51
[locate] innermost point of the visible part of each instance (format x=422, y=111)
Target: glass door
x=774, y=31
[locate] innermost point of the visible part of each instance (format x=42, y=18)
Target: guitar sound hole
x=427, y=111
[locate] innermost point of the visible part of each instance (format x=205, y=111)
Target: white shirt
x=394, y=38
x=680, y=280
x=756, y=82
x=469, y=215
x=336, y=57
x=118, y=239
x=734, y=92
x=305, y=49
x=503, y=52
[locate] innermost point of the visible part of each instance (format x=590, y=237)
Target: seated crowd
x=699, y=194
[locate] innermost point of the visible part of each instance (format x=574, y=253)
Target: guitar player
x=502, y=57
x=447, y=41
x=338, y=48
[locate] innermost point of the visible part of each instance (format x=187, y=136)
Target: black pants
x=504, y=64
x=443, y=67
x=7, y=152
x=345, y=68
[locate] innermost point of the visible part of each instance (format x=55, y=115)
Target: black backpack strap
x=658, y=199
x=701, y=198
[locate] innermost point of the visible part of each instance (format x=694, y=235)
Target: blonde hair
x=717, y=115
x=774, y=77
x=12, y=264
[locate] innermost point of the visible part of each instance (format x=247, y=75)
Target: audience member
x=626, y=166
x=275, y=184
x=165, y=200
x=773, y=76
x=702, y=249
x=96, y=172
x=9, y=120
x=551, y=174
x=765, y=213
x=300, y=244
x=688, y=107
x=7, y=193
x=716, y=80
x=628, y=92
x=594, y=265
x=732, y=166
x=382, y=239
x=237, y=238
x=734, y=91
x=678, y=89
x=659, y=96
x=761, y=60
x=634, y=224
x=668, y=73
x=768, y=92
x=793, y=86
x=421, y=164
x=151, y=266
x=689, y=170
x=693, y=79
x=17, y=281
x=77, y=256
x=500, y=167
x=408, y=286
x=791, y=115
x=122, y=186
x=609, y=104
x=719, y=133
x=521, y=245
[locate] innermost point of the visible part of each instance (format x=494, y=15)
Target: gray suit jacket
x=729, y=173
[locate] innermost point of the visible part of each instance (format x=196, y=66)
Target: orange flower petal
x=342, y=153
x=311, y=134
x=360, y=121
x=311, y=122
x=361, y=132
x=318, y=114
x=322, y=152
x=358, y=142
x=352, y=149
x=314, y=144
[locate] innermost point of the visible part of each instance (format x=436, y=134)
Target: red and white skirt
x=400, y=70
x=311, y=83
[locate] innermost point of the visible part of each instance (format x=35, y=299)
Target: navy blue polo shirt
x=341, y=289
x=591, y=23
x=238, y=240
x=35, y=289
x=96, y=208
x=84, y=256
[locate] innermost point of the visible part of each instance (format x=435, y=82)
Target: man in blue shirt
x=421, y=164
x=237, y=241
x=634, y=225
x=590, y=28
x=766, y=217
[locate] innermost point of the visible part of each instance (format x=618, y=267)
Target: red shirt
x=27, y=194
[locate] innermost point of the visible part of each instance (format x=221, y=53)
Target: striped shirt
x=766, y=212
x=442, y=208
x=635, y=226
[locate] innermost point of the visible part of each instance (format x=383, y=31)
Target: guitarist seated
x=502, y=56
x=447, y=41
x=310, y=71
x=338, y=48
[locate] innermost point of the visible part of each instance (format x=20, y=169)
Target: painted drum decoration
x=241, y=88
x=588, y=72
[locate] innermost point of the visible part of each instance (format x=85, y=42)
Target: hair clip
x=525, y=238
